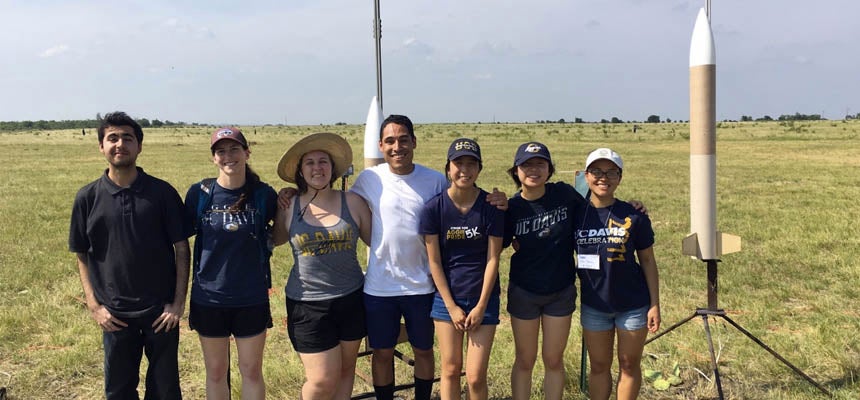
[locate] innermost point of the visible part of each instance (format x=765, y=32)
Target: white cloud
x=54, y=51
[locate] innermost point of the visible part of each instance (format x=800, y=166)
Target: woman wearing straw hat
x=325, y=308
x=231, y=274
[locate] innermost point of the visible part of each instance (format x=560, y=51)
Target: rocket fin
x=726, y=244
x=690, y=246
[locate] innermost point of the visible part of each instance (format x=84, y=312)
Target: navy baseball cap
x=530, y=150
x=464, y=147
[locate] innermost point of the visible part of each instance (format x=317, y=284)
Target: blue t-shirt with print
x=543, y=229
x=613, y=234
x=463, y=240
x=229, y=271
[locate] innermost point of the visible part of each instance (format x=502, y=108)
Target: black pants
x=123, y=352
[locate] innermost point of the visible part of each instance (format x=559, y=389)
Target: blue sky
x=311, y=62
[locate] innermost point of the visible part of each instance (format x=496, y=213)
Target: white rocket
x=704, y=241
x=372, y=155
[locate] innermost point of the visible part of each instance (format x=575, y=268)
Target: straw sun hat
x=335, y=146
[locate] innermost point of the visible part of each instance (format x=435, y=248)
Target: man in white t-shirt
x=398, y=281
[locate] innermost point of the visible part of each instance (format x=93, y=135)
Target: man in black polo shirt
x=130, y=235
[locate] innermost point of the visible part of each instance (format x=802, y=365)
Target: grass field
x=790, y=190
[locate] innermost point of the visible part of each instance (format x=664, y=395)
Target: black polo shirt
x=128, y=236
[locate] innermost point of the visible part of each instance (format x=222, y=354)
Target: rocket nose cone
x=702, y=42
x=371, y=130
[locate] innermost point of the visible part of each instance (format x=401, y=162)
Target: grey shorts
x=523, y=304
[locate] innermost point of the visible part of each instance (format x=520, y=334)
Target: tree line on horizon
x=8, y=126
x=11, y=126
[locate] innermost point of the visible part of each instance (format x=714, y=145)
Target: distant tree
x=98, y=116
x=800, y=117
x=616, y=120
x=653, y=119
x=746, y=118
x=144, y=123
x=157, y=123
x=577, y=120
x=668, y=120
x=561, y=120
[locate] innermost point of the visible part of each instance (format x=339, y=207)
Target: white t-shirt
x=397, y=264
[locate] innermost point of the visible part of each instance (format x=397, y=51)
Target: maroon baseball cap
x=228, y=132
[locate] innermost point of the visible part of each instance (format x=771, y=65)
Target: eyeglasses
x=599, y=173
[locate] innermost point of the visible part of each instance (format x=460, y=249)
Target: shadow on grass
x=851, y=378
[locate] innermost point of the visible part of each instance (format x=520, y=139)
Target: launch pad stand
x=712, y=310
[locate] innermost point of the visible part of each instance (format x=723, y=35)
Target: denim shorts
x=596, y=320
x=491, y=314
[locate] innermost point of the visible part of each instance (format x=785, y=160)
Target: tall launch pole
x=372, y=155
x=377, y=34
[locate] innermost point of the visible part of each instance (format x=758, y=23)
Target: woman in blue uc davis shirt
x=618, y=279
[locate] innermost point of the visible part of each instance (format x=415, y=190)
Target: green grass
x=788, y=189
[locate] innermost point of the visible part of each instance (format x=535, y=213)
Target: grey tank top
x=325, y=263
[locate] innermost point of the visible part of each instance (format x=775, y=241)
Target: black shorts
x=241, y=322
x=526, y=305
x=316, y=326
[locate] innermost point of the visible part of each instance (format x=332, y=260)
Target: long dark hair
x=251, y=180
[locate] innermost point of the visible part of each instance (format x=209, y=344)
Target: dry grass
x=789, y=190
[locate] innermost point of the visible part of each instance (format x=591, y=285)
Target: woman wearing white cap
x=325, y=308
x=463, y=235
x=231, y=273
x=618, y=279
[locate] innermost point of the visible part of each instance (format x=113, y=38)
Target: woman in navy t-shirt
x=620, y=296
x=541, y=291
x=231, y=273
x=463, y=236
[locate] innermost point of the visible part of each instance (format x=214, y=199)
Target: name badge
x=588, y=261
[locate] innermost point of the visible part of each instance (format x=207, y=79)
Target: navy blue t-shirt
x=228, y=271
x=463, y=240
x=614, y=234
x=544, y=231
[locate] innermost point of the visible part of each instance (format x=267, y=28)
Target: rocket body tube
x=704, y=241
x=703, y=139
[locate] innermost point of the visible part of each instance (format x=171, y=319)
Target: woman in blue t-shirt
x=541, y=291
x=231, y=274
x=463, y=236
x=620, y=296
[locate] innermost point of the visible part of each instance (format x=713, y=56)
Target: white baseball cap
x=604, y=153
